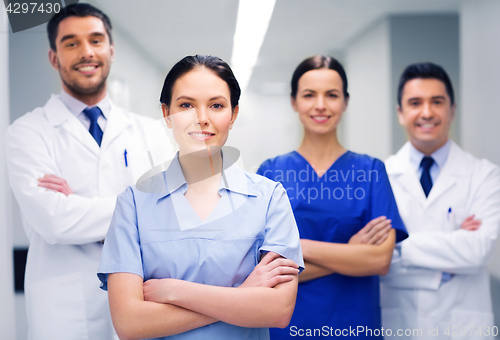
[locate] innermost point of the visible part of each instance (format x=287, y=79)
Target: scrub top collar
x=233, y=178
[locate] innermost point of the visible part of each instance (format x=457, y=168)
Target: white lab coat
x=412, y=296
x=63, y=297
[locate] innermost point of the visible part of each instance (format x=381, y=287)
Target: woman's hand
x=375, y=232
x=158, y=290
x=272, y=270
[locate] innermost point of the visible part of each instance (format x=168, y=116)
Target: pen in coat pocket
x=449, y=213
x=125, y=156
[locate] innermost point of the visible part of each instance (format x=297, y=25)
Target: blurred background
x=264, y=41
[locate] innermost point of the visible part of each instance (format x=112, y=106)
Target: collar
x=400, y=162
x=440, y=156
x=76, y=106
x=233, y=178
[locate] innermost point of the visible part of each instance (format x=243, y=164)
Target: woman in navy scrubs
x=345, y=211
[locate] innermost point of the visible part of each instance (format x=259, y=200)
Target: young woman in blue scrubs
x=182, y=254
x=345, y=210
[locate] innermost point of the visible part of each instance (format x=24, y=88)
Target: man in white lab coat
x=67, y=163
x=438, y=285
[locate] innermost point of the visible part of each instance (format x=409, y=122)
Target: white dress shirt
x=76, y=107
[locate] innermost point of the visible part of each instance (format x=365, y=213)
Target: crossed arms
x=368, y=252
x=58, y=218
x=166, y=307
x=462, y=251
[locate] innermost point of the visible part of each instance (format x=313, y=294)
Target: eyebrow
x=439, y=97
x=185, y=97
x=434, y=97
x=72, y=36
x=67, y=37
x=217, y=97
x=333, y=90
x=192, y=99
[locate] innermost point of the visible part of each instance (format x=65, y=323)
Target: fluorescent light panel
x=251, y=27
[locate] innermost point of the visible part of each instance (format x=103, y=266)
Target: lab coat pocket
x=57, y=308
x=471, y=324
x=456, y=217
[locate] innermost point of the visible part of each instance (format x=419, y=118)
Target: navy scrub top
x=332, y=208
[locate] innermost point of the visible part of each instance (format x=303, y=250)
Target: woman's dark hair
x=77, y=10
x=425, y=71
x=214, y=64
x=318, y=62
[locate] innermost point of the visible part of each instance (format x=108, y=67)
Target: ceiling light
x=251, y=27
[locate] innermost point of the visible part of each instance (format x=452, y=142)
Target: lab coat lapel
x=406, y=175
x=117, y=123
x=411, y=184
x=448, y=176
x=58, y=115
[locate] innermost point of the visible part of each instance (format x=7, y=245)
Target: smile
x=320, y=119
x=87, y=69
x=427, y=125
x=202, y=135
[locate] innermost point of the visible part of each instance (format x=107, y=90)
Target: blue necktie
x=95, y=130
x=426, y=179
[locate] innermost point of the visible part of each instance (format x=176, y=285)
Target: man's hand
x=272, y=270
x=470, y=223
x=375, y=232
x=55, y=183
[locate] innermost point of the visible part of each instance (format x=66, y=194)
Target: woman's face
x=320, y=100
x=200, y=113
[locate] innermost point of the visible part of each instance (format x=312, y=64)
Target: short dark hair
x=315, y=63
x=76, y=10
x=425, y=71
x=214, y=64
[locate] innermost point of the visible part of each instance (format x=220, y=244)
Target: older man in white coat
x=67, y=163
x=438, y=285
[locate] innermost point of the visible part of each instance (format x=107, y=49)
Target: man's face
x=426, y=113
x=83, y=57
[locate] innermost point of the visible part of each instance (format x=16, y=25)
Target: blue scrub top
x=157, y=234
x=332, y=208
